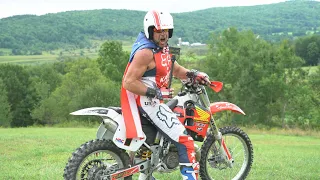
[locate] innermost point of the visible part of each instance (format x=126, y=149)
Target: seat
x=171, y=104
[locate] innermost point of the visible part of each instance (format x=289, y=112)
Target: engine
x=170, y=161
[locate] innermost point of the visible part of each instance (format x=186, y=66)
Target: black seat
x=172, y=103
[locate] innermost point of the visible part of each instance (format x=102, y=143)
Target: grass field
x=46, y=57
x=311, y=69
x=41, y=153
x=93, y=53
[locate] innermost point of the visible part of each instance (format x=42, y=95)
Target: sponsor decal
x=202, y=114
x=99, y=111
x=224, y=106
x=166, y=116
x=126, y=173
x=120, y=140
x=200, y=124
x=150, y=103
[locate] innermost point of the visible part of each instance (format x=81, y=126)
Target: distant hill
x=51, y=31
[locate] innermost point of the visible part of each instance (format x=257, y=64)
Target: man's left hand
x=167, y=93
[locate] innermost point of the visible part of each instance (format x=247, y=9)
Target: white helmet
x=159, y=20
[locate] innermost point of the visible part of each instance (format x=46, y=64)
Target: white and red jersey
x=160, y=74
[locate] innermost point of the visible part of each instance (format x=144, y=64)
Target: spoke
x=236, y=146
x=236, y=155
x=97, y=162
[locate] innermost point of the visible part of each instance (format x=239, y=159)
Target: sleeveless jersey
x=160, y=74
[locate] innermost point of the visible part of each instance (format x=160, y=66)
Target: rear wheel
x=95, y=159
x=213, y=165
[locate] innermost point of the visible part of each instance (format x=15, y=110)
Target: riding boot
x=190, y=172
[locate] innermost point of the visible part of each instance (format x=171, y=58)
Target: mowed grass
x=42, y=153
x=34, y=59
x=45, y=58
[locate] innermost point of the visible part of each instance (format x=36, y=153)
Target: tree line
x=46, y=94
x=265, y=79
x=31, y=34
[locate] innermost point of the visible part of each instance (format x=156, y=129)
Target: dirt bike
x=226, y=153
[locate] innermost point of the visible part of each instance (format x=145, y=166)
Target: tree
x=20, y=94
x=112, y=60
x=313, y=52
x=82, y=86
x=77, y=28
x=45, y=78
x=308, y=48
x=5, y=114
x=257, y=75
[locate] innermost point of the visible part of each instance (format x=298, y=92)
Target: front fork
x=224, y=151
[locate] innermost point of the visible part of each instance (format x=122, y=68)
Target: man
x=147, y=72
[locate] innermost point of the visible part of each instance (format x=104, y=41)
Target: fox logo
x=169, y=118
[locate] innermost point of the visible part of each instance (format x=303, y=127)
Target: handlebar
x=214, y=85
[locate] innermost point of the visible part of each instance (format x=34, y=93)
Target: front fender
x=225, y=106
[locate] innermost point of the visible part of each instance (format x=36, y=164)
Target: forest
x=267, y=80
x=31, y=34
x=267, y=56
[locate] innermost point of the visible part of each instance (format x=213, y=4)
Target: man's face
x=160, y=37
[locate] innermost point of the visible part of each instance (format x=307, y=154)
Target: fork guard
x=225, y=106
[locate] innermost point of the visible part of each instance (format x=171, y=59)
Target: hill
x=78, y=28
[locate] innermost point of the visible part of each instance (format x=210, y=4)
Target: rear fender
x=95, y=111
x=225, y=106
x=113, y=127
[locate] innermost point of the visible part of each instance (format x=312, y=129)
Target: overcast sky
x=40, y=7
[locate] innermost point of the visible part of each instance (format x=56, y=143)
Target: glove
x=196, y=77
x=154, y=93
x=162, y=93
x=166, y=93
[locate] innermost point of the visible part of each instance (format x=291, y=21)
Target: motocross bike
x=226, y=153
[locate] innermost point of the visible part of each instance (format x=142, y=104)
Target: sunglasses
x=160, y=30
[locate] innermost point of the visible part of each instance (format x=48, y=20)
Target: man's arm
x=139, y=65
x=179, y=71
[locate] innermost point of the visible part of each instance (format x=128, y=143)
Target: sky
x=41, y=7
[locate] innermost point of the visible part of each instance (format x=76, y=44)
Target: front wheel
x=95, y=159
x=213, y=165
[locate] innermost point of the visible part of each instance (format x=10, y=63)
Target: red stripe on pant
x=188, y=142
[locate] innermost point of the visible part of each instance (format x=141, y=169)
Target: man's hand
x=162, y=93
x=197, y=77
x=167, y=93
x=202, y=78
x=154, y=93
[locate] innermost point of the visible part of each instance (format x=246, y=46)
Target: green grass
x=311, y=69
x=39, y=59
x=28, y=59
x=92, y=53
x=42, y=153
x=47, y=57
